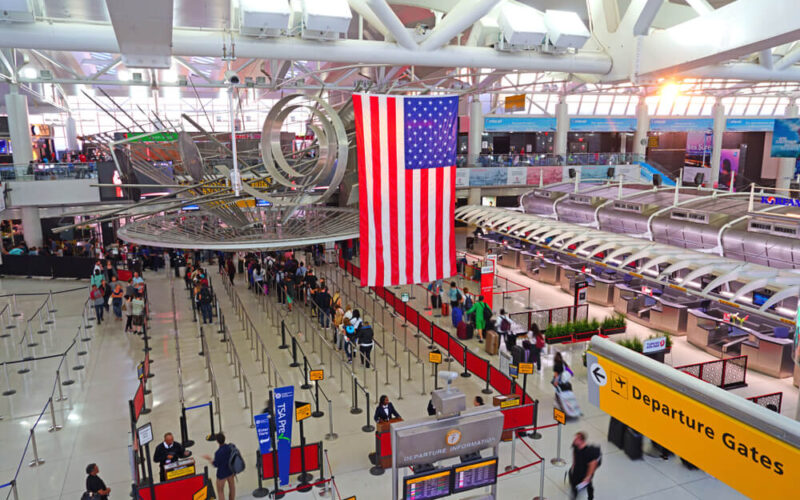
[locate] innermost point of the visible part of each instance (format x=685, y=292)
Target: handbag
x=109, y=301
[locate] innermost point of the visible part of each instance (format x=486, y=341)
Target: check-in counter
x=666, y=311
x=766, y=343
x=512, y=257
x=570, y=273
x=528, y=264
x=549, y=271
x=601, y=288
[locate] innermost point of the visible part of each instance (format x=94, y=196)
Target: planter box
x=558, y=340
x=585, y=335
x=612, y=331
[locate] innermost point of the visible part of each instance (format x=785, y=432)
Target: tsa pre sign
x=284, y=405
x=747, y=459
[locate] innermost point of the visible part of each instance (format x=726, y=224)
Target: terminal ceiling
x=411, y=46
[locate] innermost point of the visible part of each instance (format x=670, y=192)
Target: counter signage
x=654, y=345
x=435, y=357
x=262, y=432
x=559, y=416
x=513, y=371
x=509, y=403
x=316, y=375
x=525, y=368
x=284, y=403
x=747, y=459
x=145, y=434
x=303, y=411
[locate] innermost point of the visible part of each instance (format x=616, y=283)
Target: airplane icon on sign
x=619, y=385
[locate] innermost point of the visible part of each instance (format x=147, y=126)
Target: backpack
x=487, y=313
x=540, y=343
x=505, y=325
x=468, y=303
x=235, y=460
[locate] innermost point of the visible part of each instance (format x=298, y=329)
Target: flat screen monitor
x=761, y=298
x=474, y=475
x=427, y=485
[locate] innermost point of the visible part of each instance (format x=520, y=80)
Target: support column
x=718, y=112
x=32, y=226
x=474, y=196
x=475, y=132
x=623, y=142
x=562, y=129
x=71, y=131
x=786, y=165
x=642, y=127
x=19, y=129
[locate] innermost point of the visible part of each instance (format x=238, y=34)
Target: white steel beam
x=464, y=14
x=790, y=58
x=746, y=71
x=700, y=6
x=193, y=42
x=363, y=10
x=682, y=48
x=389, y=19
x=646, y=17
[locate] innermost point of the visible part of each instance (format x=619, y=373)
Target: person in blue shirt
x=222, y=459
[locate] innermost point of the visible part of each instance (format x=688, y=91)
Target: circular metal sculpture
x=276, y=228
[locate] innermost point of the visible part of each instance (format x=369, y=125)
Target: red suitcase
x=445, y=309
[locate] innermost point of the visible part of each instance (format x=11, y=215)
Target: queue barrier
x=312, y=453
x=769, y=401
x=177, y=489
x=472, y=363
x=728, y=373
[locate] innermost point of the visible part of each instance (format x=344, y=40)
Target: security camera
x=231, y=77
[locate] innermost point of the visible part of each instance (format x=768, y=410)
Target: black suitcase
x=616, y=432
x=517, y=355
x=633, y=444
x=470, y=330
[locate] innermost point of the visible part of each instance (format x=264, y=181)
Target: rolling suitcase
x=457, y=316
x=445, y=309
x=568, y=403
x=470, y=330
x=632, y=444
x=492, y=342
x=517, y=355
x=616, y=432
x=461, y=331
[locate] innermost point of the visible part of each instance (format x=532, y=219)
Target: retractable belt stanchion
x=260, y=491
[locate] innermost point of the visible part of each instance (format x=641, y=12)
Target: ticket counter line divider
x=54, y=427
x=252, y=334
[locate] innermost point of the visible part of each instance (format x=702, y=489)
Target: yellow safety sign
x=747, y=459
x=435, y=357
x=302, y=412
x=315, y=375
x=559, y=416
x=525, y=368
x=202, y=494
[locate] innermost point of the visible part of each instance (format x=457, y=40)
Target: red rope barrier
x=515, y=469
x=530, y=448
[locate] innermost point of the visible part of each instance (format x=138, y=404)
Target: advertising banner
x=462, y=177
x=749, y=124
x=744, y=457
x=262, y=431
x=517, y=176
x=496, y=176
x=284, y=412
x=785, y=138
x=728, y=166
x=549, y=175
x=681, y=124
x=600, y=124
x=519, y=124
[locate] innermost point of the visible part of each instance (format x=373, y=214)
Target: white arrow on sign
x=598, y=374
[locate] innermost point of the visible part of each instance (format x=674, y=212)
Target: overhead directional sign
x=747, y=447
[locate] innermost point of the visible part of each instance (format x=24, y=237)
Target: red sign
x=487, y=283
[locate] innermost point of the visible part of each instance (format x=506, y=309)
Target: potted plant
x=586, y=329
x=558, y=334
x=633, y=344
x=614, y=324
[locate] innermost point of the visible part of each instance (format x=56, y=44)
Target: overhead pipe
x=363, y=10
x=205, y=43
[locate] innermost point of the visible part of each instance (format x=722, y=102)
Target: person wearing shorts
x=137, y=313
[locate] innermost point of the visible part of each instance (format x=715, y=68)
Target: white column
x=32, y=226
x=623, y=142
x=786, y=165
x=71, y=131
x=475, y=131
x=718, y=112
x=474, y=196
x=19, y=129
x=562, y=129
x=642, y=127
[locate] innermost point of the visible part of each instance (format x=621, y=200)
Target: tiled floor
x=95, y=417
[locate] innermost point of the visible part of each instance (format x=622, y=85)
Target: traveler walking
x=96, y=296
x=585, y=461
x=479, y=308
x=204, y=299
x=365, y=342
x=116, y=301
x=225, y=473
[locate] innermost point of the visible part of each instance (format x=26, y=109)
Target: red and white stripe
x=406, y=216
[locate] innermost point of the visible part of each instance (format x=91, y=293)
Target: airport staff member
x=385, y=410
x=167, y=452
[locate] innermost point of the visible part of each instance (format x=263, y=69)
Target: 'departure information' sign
x=747, y=459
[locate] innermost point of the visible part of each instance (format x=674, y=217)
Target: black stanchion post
x=147, y=347
x=213, y=434
x=185, y=441
x=260, y=491
x=377, y=469
x=535, y=434
x=355, y=410
x=306, y=384
x=317, y=413
x=283, y=336
x=304, y=476
x=149, y=464
x=368, y=427
x=465, y=373
x=486, y=389
x=294, y=363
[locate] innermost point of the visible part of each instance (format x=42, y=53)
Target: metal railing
x=724, y=373
x=550, y=159
x=47, y=171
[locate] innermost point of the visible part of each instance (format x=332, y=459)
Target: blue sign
x=785, y=138
x=681, y=124
x=749, y=124
x=602, y=124
x=262, y=431
x=284, y=407
x=519, y=124
x=777, y=200
x=513, y=371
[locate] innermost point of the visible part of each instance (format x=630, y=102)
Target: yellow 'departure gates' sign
x=747, y=459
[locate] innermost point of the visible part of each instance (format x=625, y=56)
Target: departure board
x=474, y=475
x=433, y=484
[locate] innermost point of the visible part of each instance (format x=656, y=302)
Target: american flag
x=407, y=179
